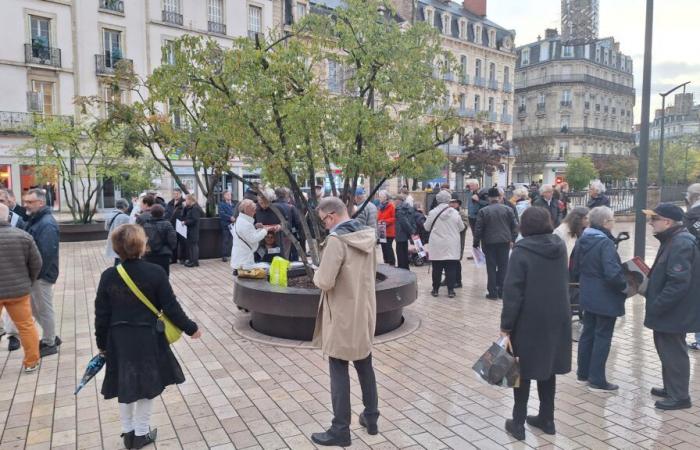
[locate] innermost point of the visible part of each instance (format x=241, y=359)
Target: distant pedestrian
x=572, y=227
x=405, y=227
x=475, y=202
x=118, y=216
x=162, y=239
x=547, y=201
x=368, y=215
x=673, y=304
x=226, y=207
x=16, y=218
x=496, y=229
x=692, y=223
x=596, y=192
x=19, y=268
x=521, y=196
x=173, y=213
x=386, y=221
x=192, y=215
x=43, y=228
x=536, y=318
x=346, y=318
x=444, y=225
x=598, y=269
x=140, y=363
x=144, y=214
x=409, y=198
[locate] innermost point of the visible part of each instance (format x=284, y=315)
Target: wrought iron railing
x=576, y=131
x=576, y=78
x=112, y=5
x=41, y=54
x=106, y=65
x=508, y=87
x=216, y=27
x=22, y=122
x=172, y=17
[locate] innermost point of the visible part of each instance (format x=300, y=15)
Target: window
x=215, y=11
x=477, y=71
x=172, y=6
x=462, y=102
x=334, y=76
x=462, y=29
x=606, y=57
x=463, y=66
x=564, y=123
x=168, y=52
x=492, y=72
x=525, y=57
x=492, y=38
x=40, y=32
x=506, y=75
x=541, y=98
x=429, y=16
x=563, y=148
x=567, y=51
x=254, y=20
x=492, y=104
x=112, y=42
x=301, y=10
x=614, y=58
x=44, y=95
x=175, y=115
x=505, y=107
x=477, y=33
x=566, y=96
x=446, y=24
x=597, y=54
x=521, y=101
x=477, y=103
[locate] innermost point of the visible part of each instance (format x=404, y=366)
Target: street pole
x=640, y=202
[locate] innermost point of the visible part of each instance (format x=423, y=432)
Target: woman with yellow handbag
x=137, y=317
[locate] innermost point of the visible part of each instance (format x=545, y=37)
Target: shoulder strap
x=439, y=214
x=111, y=222
x=239, y=236
x=137, y=292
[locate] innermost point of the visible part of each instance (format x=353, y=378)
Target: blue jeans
x=594, y=347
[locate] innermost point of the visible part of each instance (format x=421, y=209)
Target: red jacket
x=388, y=214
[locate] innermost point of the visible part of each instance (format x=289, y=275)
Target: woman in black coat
x=140, y=363
x=537, y=318
x=191, y=217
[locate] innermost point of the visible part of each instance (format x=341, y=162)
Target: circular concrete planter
x=290, y=313
x=78, y=232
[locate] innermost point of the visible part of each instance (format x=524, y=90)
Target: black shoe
x=191, y=264
x=607, y=387
x=545, y=425
x=451, y=294
x=670, y=404
x=328, y=439
x=491, y=297
x=371, y=429
x=128, y=439
x=47, y=350
x=515, y=430
x=434, y=293
x=12, y=343
x=458, y=285
x=659, y=392
x=224, y=259
x=142, y=441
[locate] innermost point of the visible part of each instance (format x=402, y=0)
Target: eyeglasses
x=323, y=219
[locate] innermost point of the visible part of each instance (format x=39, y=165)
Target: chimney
x=477, y=7
x=551, y=33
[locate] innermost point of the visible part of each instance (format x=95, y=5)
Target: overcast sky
x=676, y=53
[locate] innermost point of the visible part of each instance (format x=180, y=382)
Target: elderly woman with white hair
x=521, y=198
x=596, y=191
x=386, y=218
x=444, y=224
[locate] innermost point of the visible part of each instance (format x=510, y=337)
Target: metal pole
x=642, y=177
x=660, y=176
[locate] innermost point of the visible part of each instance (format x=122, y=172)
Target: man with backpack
x=162, y=239
x=118, y=216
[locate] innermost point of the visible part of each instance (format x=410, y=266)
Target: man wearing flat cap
x=672, y=302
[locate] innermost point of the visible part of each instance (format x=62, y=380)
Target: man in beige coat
x=346, y=317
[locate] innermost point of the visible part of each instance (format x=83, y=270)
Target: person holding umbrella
x=139, y=362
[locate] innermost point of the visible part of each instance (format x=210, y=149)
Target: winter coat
x=112, y=221
x=405, y=222
x=21, y=210
x=368, y=216
x=246, y=239
x=347, y=312
x=444, y=233
x=162, y=238
x=464, y=215
x=536, y=310
x=692, y=221
x=552, y=207
x=598, y=269
x=473, y=207
x=20, y=263
x=18, y=220
x=496, y=224
x=420, y=219
x=143, y=218
x=191, y=217
x=140, y=363
x=600, y=200
x=521, y=206
x=565, y=235
x=225, y=213
x=387, y=213
x=44, y=229
x=173, y=210
x=673, y=302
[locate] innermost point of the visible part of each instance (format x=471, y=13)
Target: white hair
x=383, y=194
x=546, y=187
x=599, y=216
x=269, y=194
x=521, y=193
x=443, y=197
x=4, y=213
x=597, y=186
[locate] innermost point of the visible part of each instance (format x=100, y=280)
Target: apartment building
x=55, y=50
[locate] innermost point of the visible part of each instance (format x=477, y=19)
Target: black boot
x=148, y=438
x=371, y=428
x=545, y=425
x=128, y=439
x=328, y=439
x=516, y=430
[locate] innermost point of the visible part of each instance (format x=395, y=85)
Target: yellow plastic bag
x=278, y=271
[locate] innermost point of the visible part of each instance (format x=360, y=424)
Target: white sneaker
x=31, y=369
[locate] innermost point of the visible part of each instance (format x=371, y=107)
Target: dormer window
x=622, y=63
x=525, y=57
x=430, y=16
x=477, y=33
x=597, y=54
x=446, y=24
x=492, y=38
x=567, y=51
x=462, y=29
x=614, y=58
x=606, y=57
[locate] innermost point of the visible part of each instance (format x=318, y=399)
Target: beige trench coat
x=347, y=312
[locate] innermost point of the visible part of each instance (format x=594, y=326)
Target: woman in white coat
x=246, y=236
x=444, y=225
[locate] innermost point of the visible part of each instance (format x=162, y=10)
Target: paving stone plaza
x=245, y=395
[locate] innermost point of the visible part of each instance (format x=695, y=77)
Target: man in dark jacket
x=598, y=269
x=692, y=223
x=144, y=215
x=162, y=239
x=475, y=202
x=43, y=228
x=596, y=191
x=173, y=213
x=192, y=215
x=226, y=206
x=673, y=304
x=547, y=201
x=15, y=219
x=496, y=229
x=14, y=207
x=405, y=227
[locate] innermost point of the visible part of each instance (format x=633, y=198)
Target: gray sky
x=676, y=53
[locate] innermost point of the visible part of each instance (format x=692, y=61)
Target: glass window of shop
x=5, y=176
x=44, y=177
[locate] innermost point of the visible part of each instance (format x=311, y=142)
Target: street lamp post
x=660, y=177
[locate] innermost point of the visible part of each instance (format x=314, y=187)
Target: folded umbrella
x=93, y=367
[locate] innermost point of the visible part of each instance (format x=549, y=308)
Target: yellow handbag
x=172, y=333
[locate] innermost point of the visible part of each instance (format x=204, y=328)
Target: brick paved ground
x=244, y=395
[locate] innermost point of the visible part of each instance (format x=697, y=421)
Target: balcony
x=507, y=87
x=172, y=17
x=587, y=105
x=575, y=78
x=565, y=103
x=506, y=118
x=42, y=55
x=22, y=122
x=522, y=111
x=466, y=112
x=448, y=76
x=582, y=131
x=216, y=27
x=106, y=65
x=253, y=34
x=116, y=6
x=493, y=117
x=478, y=81
x=493, y=84
x=541, y=107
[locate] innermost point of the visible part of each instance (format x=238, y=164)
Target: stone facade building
x=682, y=119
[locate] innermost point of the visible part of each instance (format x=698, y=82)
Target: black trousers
x=450, y=268
x=472, y=226
x=402, y=255
x=388, y=252
x=226, y=242
x=675, y=365
x=340, y=393
x=193, y=251
x=545, y=390
x=180, y=251
x=496, y=266
x=161, y=260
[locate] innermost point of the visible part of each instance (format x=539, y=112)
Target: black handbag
x=498, y=366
